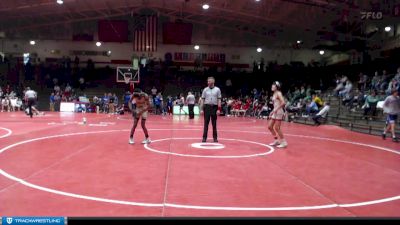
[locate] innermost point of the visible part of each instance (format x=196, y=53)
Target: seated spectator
x=375, y=81
x=229, y=106
x=120, y=110
x=303, y=92
x=347, y=89
x=317, y=100
x=309, y=92
x=348, y=98
x=311, y=107
x=370, y=104
x=57, y=89
x=397, y=76
x=237, y=106
x=394, y=84
x=322, y=114
x=5, y=104
x=384, y=81
x=340, y=85
x=245, y=107
x=97, y=104
x=224, y=107
x=295, y=108
x=356, y=101
x=296, y=94
x=254, y=108
x=362, y=82
x=264, y=112
x=68, y=91
x=17, y=105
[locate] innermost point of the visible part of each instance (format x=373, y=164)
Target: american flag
x=145, y=34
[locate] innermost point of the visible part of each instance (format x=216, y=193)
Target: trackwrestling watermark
x=33, y=220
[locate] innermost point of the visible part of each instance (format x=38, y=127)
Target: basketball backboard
x=124, y=73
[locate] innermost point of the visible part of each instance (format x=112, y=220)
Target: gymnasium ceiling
x=314, y=22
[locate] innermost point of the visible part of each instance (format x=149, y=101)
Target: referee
x=211, y=104
x=30, y=98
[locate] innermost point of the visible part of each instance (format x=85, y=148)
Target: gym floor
x=54, y=165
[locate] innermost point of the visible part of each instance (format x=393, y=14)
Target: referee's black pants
x=191, y=111
x=31, y=102
x=210, y=112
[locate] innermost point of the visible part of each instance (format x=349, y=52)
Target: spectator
x=105, y=101
x=370, y=104
x=154, y=93
x=67, y=91
x=116, y=101
x=229, y=104
x=170, y=105
x=347, y=89
x=397, y=76
x=57, y=101
x=52, y=102
x=190, y=100
x=111, y=106
x=309, y=92
x=82, y=83
x=264, y=112
x=15, y=104
x=296, y=94
x=317, y=100
x=127, y=97
x=120, y=110
x=322, y=114
x=5, y=104
x=57, y=88
x=362, y=82
x=394, y=84
x=384, y=81
x=341, y=85
x=303, y=93
x=158, y=104
x=311, y=107
x=375, y=81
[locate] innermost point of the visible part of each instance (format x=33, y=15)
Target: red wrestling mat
x=53, y=165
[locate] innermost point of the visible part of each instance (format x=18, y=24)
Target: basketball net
x=127, y=79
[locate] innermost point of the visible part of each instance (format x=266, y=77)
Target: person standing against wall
x=191, y=100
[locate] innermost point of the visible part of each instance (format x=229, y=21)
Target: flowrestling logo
x=365, y=15
x=34, y=220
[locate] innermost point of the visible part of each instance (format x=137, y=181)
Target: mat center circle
x=208, y=146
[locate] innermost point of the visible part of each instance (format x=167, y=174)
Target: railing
x=350, y=120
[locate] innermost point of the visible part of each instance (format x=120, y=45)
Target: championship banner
x=205, y=57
